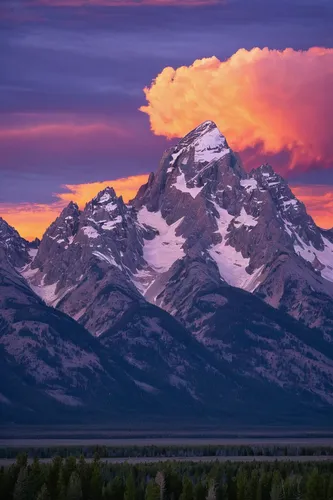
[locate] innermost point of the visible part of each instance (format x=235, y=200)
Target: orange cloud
x=31, y=219
x=319, y=203
x=281, y=100
x=82, y=193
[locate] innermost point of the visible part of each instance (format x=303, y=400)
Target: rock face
x=250, y=226
x=16, y=248
x=212, y=289
x=52, y=369
x=86, y=262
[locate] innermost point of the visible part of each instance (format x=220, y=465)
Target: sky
x=93, y=91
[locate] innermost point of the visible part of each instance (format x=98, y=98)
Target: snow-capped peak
x=207, y=142
x=105, y=196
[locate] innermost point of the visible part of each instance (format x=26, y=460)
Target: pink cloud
x=272, y=100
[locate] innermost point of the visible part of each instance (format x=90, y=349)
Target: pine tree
x=160, y=481
x=61, y=486
x=314, y=486
x=96, y=483
x=152, y=491
x=36, y=478
x=21, y=485
x=53, y=477
x=22, y=460
x=187, y=492
x=43, y=493
x=211, y=494
x=330, y=488
x=199, y=491
x=68, y=467
x=74, y=489
x=241, y=482
x=107, y=492
x=276, y=489
x=130, y=490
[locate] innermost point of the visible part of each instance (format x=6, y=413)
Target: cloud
x=60, y=143
x=59, y=130
x=318, y=200
x=32, y=219
x=124, y=3
x=278, y=100
x=82, y=193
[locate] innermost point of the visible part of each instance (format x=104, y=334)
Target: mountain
x=52, y=369
x=146, y=362
x=250, y=226
x=211, y=292
x=17, y=249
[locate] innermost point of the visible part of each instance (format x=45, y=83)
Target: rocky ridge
x=209, y=269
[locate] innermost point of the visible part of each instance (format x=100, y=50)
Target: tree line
x=168, y=451
x=76, y=479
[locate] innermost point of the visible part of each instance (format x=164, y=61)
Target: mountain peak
x=70, y=210
x=209, y=132
x=14, y=246
x=106, y=195
x=206, y=126
x=267, y=176
x=106, y=201
x=205, y=141
x=266, y=168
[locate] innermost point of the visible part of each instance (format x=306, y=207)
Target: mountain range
x=208, y=297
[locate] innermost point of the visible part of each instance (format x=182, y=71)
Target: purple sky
x=90, y=65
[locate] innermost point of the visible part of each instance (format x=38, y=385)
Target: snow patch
x=146, y=387
x=110, y=207
x=245, y=219
x=46, y=292
x=104, y=198
x=325, y=257
x=142, y=279
x=110, y=225
x=32, y=252
x=64, y=398
x=90, y=232
x=211, y=145
x=165, y=248
x=231, y=264
x=180, y=185
x=174, y=157
x=249, y=184
x=107, y=258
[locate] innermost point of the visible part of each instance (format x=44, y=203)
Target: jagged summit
x=204, y=245
x=71, y=209
x=15, y=248
x=105, y=195
x=204, y=144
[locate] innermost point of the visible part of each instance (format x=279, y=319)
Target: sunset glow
x=32, y=219
x=281, y=100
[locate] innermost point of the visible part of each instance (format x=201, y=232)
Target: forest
x=169, y=451
x=76, y=479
